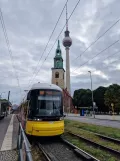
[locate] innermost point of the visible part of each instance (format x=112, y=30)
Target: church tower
x=58, y=70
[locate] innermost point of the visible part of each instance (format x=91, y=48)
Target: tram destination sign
x=45, y=92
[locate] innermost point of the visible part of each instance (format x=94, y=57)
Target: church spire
x=58, y=46
x=58, y=60
x=58, y=50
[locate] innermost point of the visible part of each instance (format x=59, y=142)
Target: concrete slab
x=7, y=142
x=4, y=123
x=102, y=117
x=108, y=123
x=15, y=132
x=9, y=136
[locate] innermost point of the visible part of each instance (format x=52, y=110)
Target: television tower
x=67, y=42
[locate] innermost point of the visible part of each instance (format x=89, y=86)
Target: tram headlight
x=61, y=118
x=37, y=119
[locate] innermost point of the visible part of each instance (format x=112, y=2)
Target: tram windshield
x=48, y=103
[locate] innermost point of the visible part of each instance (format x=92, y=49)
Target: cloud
x=29, y=25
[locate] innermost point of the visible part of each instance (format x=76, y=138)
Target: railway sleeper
x=52, y=157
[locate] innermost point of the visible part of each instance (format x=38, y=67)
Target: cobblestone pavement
x=10, y=155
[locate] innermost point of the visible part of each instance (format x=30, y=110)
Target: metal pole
x=92, y=94
x=8, y=101
x=0, y=107
x=8, y=95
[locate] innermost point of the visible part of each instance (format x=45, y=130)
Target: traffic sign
x=94, y=104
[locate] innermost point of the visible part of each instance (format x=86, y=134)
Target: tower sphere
x=67, y=42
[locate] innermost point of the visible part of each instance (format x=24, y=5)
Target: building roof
x=45, y=86
x=6, y=102
x=58, y=68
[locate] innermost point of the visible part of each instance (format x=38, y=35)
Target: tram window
x=49, y=93
x=49, y=104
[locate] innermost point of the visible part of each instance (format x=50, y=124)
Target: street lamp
x=92, y=93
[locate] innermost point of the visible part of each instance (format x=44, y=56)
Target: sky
x=29, y=25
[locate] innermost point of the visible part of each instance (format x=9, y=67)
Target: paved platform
x=8, y=138
x=101, y=117
x=10, y=155
x=102, y=122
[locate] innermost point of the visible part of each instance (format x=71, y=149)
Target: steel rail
x=104, y=137
x=79, y=152
x=48, y=156
x=96, y=144
x=44, y=152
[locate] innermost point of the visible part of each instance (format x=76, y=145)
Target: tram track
x=117, y=141
x=63, y=150
x=113, y=151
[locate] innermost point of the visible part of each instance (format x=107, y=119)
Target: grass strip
x=94, y=138
x=108, y=131
x=96, y=152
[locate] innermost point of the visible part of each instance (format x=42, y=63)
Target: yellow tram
x=44, y=114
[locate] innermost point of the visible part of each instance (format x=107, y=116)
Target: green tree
x=87, y=98
x=5, y=104
x=82, y=98
x=112, y=95
x=99, y=99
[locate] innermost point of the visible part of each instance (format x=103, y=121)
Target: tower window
x=63, y=75
x=57, y=51
x=57, y=83
x=56, y=75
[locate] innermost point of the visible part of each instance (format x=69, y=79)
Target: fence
x=23, y=146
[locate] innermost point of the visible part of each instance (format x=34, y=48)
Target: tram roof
x=45, y=86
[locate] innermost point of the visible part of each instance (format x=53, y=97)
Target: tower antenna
x=66, y=18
